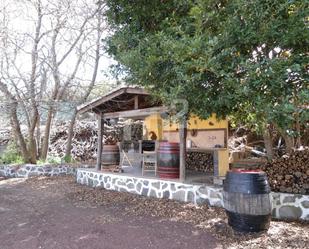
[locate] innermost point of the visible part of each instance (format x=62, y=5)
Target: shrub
x=11, y=155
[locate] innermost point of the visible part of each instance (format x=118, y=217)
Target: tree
x=244, y=58
x=90, y=87
x=44, y=61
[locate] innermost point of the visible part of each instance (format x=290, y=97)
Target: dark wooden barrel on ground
x=110, y=155
x=168, y=160
x=246, y=200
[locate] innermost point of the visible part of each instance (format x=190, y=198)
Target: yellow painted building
x=202, y=134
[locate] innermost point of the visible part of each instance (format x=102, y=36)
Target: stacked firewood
x=289, y=173
x=84, y=144
x=200, y=161
x=5, y=136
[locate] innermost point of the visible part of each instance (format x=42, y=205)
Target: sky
x=20, y=22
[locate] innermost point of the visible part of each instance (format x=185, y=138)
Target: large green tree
x=246, y=58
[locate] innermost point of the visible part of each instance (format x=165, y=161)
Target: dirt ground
x=58, y=213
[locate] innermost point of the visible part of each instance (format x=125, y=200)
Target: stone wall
x=284, y=206
x=152, y=187
x=290, y=206
x=28, y=170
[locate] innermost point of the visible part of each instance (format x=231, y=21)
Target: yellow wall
x=153, y=123
x=198, y=124
x=166, y=130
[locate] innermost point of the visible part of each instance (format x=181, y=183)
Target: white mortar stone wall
x=28, y=170
x=290, y=206
x=284, y=206
x=157, y=188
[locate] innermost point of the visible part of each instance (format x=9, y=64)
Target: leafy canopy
x=247, y=58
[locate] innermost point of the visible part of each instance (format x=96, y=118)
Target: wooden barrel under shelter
x=110, y=155
x=168, y=160
x=246, y=200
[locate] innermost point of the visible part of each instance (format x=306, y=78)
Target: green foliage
x=11, y=155
x=68, y=159
x=245, y=58
x=51, y=160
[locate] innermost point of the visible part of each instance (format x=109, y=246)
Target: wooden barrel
x=246, y=200
x=168, y=160
x=110, y=155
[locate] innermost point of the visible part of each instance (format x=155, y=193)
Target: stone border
x=284, y=206
x=28, y=170
x=152, y=187
x=290, y=206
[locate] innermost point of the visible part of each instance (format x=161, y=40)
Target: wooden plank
x=135, y=102
x=99, y=101
x=182, y=150
x=139, y=113
x=100, y=138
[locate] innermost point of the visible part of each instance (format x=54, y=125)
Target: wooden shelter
x=136, y=103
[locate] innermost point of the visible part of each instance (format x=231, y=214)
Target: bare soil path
x=58, y=213
x=40, y=214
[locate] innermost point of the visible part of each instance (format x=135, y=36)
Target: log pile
x=290, y=173
x=200, y=161
x=84, y=144
x=5, y=136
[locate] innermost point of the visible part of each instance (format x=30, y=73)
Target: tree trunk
x=289, y=143
x=32, y=149
x=297, y=126
x=268, y=144
x=87, y=93
x=68, y=149
x=45, y=144
x=38, y=137
x=18, y=134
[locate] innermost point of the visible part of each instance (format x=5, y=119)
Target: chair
x=125, y=158
x=149, y=162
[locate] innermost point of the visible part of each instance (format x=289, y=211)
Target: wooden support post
x=136, y=102
x=182, y=149
x=100, y=138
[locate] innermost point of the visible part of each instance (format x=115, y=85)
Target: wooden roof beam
x=139, y=113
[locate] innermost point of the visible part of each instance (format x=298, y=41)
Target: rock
x=130, y=185
x=201, y=201
x=145, y=191
x=214, y=194
x=305, y=204
x=288, y=199
x=179, y=195
x=290, y=212
x=153, y=193
x=190, y=196
x=138, y=187
x=156, y=185
x=90, y=182
x=166, y=194
x=164, y=186
x=203, y=190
